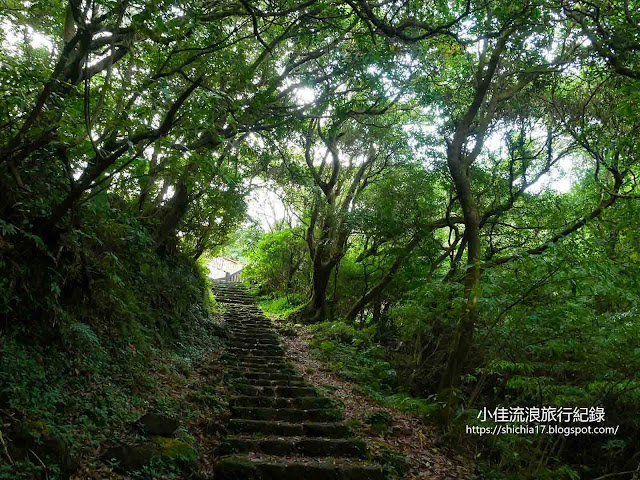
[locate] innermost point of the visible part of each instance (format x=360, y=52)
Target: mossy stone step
x=277, y=391
x=253, y=341
x=232, y=345
x=246, y=369
x=256, y=331
x=269, y=359
x=235, y=467
x=266, y=350
x=272, y=376
x=233, y=334
x=274, y=402
x=248, y=326
x=261, y=356
x=231, y=299
x=249, y=377
x=287, y=414
x=274, y=383
x=253, y=337
x=320, y=447
x=276, y=362
x=261, y=347
x=272, y=350
x=273, y=368
x=289, y=429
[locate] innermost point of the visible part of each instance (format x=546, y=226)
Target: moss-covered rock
x=157, y=424
x=174, y=449
x=134, y=457
x=130, y=457
x=35, y=439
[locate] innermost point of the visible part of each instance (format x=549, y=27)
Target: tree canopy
x=460, y=175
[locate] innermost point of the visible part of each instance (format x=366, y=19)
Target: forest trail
x=280, y=427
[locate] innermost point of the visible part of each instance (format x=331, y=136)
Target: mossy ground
x=74, y=379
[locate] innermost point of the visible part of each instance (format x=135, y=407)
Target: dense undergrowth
x=91, y=342
x=570, y=340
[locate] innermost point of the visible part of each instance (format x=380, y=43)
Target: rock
x=400, y=431
x=34, y=438
x=134, y=457
x=174, y=449
x=157, y=424
x=215, y=428
x=131, y=457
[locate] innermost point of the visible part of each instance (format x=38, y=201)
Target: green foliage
x=85, y=372
x=352, y=353
x=381, y=417
x=280, y=306
x=395, y=464
x=277, y=263
x=422, y=175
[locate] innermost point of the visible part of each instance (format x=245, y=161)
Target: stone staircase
x=280, y=428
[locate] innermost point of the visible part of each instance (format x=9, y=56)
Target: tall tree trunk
x=202, y=243
x=172, y=214
x=146, y=188
x=459, y=162
x=316, y=309
x=464, y=331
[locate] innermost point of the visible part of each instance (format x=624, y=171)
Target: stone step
x=250, y=467
x=223, y=298
x=282, y=402
x=256, y=331
x=253, y=337
x=250, y=377
x=265, y=369
x=277, y=391
x=253, y=341
x=252, y=332
x=287, y=414
x=266, y=350
x=276, y=363
x=269, y=360
x=271, y=376
x=261, y=356
x=289, y=429
x=248, y=324
x=271, y=368
x=273, y=383
x=253, y=350
x=235, y=345
x=290, y=446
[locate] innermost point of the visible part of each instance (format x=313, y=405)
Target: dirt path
x=408, y=434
